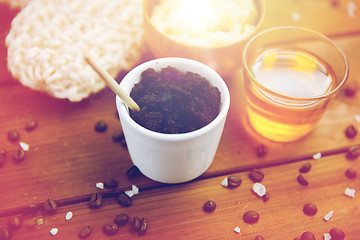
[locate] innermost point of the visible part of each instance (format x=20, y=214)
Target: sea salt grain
x=259, y=189
x=329, y=215
x=225, y=182
x=135, y=189
x=350, y=192
x=327, y=236
x=100, y=185
x=237, y=230
x=351, y=8
x=24, y=146
x=357, y=118
x=130, y=193
x=54, y=231
x=317, y=156
x=68, y=216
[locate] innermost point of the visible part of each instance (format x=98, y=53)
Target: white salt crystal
x=68, y=216
x=100, y=185
x=135, y=189
x=54, y=231
x=329, y=215
x=357, y=118
x=130, y=193
x=327, y=236
x=317, y=156
x=351, y=7
x=350, y=192
x=225, y=182
x=237, y=230
x=259, y=189
x=295, y=16
x=24, y=146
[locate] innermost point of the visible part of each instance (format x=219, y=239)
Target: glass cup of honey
x=291, y=74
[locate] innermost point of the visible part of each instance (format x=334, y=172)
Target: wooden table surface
x=67, y=158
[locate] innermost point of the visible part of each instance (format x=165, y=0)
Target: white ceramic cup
x=173, y=158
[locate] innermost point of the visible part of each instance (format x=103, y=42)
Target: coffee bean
x=234, y=181
x=5, y=234
x=118, y=136
x=19, y=155
x=251, y=217
x=136, y=224
x=335, y=3
x=100, y=126
x=31, y=125
x=261, y=150
x=124, y=200
x=50, y=206
x=310, y=209
x=258, y=237
x=85, y=231
x=256, y=176
x=96, y=200
x=110, y=229
x=209, y=206
x=14, y=222
x=351, y=173
x=301, y=179
x=133, y=172
x=337, y=234
x=266, y=197
x=121, y=219
x=351, y=131
x=307, y=236
x=350, y=91
x=305, y=168
x=143, y=226
x=110, y=183
x=353, y=152
x=13, y=135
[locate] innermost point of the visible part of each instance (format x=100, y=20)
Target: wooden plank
x=67, y=157
x=175, y=211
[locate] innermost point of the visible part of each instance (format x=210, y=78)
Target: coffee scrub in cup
x=291, y=74
x=175, y=135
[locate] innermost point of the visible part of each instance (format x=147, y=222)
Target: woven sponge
x=47, y=42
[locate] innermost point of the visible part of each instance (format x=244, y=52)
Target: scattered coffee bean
x=350, y=91
x=31, y=125
x=310, y=209
x=19, y=155
x=13, y=135
x=251, y=217
x=258, y=237
x=110, y=229
x=118, y=136
x=110, y=183
x=261, y=150
x=209, y=206
x=96, y=200
x=305, y=168
x=256, y=176
x=335, y=3
x=351, y=131
x=307, y=236
x=124, y=200
x=121, y=219
x=5, y=234
x=14, y=222
x=351, y=173
x=100, y=126
x=234, y=181
x=85, y=231
x=133, y=172
x=266, y=197
x=143, y=226
x=50, y=206
x=136, y=224
x=353, y=152
x=337, y=234
x=301, y=179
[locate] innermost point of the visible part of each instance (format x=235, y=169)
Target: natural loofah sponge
x=48, y=40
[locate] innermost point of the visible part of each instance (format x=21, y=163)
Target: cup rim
x=224, y=105
x=322, y=96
